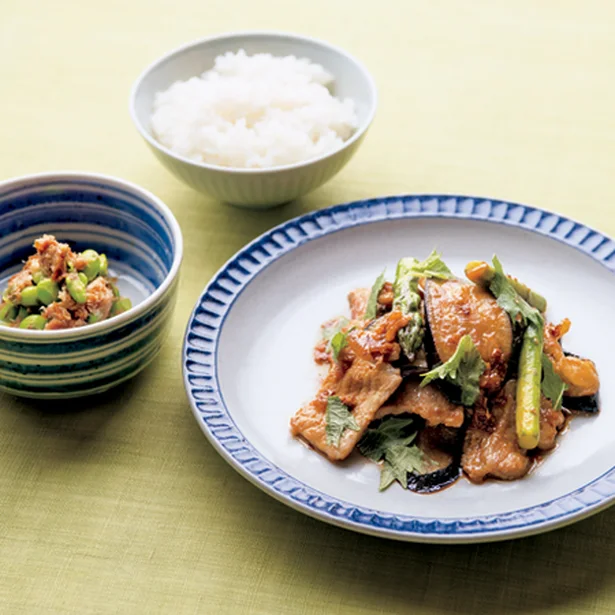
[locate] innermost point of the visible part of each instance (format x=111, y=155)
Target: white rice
x=253, y=112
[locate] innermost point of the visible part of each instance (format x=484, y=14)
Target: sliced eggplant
x=582, y=381
x=443, y=446
x=455, y=308
x=589, y=404
x=415, y=368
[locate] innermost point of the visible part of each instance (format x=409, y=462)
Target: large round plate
x=248, y=360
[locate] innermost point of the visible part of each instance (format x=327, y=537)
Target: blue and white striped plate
x=248, y=360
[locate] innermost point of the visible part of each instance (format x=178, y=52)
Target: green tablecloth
x=120, y=505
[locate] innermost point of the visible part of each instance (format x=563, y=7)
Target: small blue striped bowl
x=143, y=243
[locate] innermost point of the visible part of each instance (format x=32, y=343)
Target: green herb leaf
x=338, y=342
x=336, y=336
x=387, y=477
x=463, y=369
x=328, y=333
x=389, y=432
x=337, y=420
x=390, y=443
x=519, y=310
x=404, y=459
x=552, y=385
x=432, y=267
x=372, y=302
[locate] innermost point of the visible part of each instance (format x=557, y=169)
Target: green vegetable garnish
x=34, y=321
x=335, y=335
x=8, y=311
x=47, y=291
x=92, y=267
x=391, y=443
x=337, y=419
x=407, y=298
x=76, y=287
x=29, y=296
x=328, y=333
x=104, y=264
x=529, y=376
x=432, y=267
x=463, y=369
x=338, y=342
x=120, y=306
x=372, y=303
x=482, y=273
x=519, y=310
x=528, y=387
x=552, y=385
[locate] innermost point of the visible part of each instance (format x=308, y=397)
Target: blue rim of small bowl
x=103, y=182
x=358, y=134
x=218, y=425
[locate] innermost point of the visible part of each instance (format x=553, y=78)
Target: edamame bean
x=23, y=312
x=121, y=305
x=29, y=296
x=47, y=291
x=92, y=267
x=34, y=321
x=76, y=288
x=37, y=276
x=93, y=318
x=116, y=290
x=8, y=311
x=83, y=278
x=104, y=264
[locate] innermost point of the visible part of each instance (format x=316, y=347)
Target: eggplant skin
x=450, y=441
x=589, y=404
x=434, y=481
x=419, y=366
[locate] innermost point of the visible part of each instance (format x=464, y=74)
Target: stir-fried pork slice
x=551, y=422
x=490, y=447
x=377, y=340
x=386, y=295
x=454, y=309
x=322, y=350
x=363, y=388
x=54, y=256
x=357, y=300
x=579, y=374
x=428, y=402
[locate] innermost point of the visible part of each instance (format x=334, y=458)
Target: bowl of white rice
x=255, y=119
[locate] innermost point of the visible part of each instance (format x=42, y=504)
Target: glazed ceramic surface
x=255, y=187
x=143, y=243
x=248, y=360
